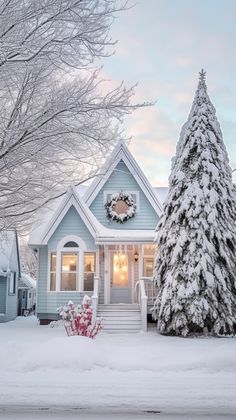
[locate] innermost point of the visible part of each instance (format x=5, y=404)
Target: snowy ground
x=44, y=374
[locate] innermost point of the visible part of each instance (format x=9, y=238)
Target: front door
x=120, y=269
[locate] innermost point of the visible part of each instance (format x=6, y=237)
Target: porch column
x=140, y=261
x=106, y=275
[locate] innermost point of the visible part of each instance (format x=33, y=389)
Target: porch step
x=119, y=306
x=120, y=318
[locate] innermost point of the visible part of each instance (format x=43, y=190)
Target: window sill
x=70, y=291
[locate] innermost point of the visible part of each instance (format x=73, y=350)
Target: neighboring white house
x=99, y=241
x=9, y=275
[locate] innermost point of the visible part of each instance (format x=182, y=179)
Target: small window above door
x=71, y=244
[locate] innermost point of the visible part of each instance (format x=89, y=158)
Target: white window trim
x=80, y=273
x=50, y=252
x=106, y=192
x=12, y=278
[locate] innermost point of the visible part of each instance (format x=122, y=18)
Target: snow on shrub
x=77, y=319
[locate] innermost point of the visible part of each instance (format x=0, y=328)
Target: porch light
x=136, y=256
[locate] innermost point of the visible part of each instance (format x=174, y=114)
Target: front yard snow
x=40, y=365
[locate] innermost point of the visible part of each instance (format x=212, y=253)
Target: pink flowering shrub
x=77, y=319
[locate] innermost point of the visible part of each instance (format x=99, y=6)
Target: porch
x=124, y=292
x=120, y=268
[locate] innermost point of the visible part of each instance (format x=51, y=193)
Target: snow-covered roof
x=52, y=216
x=45, y=215
x=161, y=193
x=7, y=244
x=27, y=281
x=80, y=197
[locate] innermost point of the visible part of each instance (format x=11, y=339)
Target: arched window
x=72, y=267
x=71, y=244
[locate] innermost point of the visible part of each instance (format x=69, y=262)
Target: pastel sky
x=163, y=44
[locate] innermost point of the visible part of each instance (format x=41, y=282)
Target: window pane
x=148, y=267
x=89, y=263
x=71, y=244
x=120, y=270
x=88, y=281
x=53, y=261
x=89, y=269
x=52, y=282
x=149, y=250
x=69, y=262
x=68, y=281
x=69, y=267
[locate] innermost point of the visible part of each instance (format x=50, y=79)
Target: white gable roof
x=122, y=152
x=48, y=222
x=47, y=213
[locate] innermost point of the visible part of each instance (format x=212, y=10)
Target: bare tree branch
x=58, y=119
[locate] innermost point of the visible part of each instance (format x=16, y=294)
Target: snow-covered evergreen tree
x=196, y=237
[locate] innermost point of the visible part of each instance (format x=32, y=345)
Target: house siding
x=3, y=293
x=9, y=307
x=8, y=303
x=72, y=224
x=11, y=311
x=121, y=179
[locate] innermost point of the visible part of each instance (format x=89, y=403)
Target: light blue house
x=9, y=275
x=99, y=241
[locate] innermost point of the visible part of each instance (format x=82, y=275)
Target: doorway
x=120, y=270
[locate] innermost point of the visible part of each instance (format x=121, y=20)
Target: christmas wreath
x=121, y=207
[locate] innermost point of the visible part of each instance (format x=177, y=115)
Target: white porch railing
x=142, y=300
x=146, y=295
x=95, y=299
x=151, y=289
